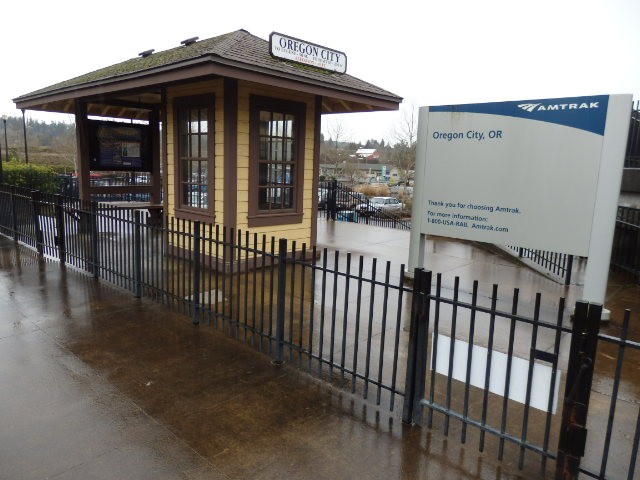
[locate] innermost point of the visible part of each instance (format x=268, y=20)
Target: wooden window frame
x=264, y=218
x=188, y=212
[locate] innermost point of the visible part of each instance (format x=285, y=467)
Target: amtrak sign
x=307, y=53
x=542, y=174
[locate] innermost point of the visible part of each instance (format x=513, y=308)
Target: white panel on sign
x=514, y=173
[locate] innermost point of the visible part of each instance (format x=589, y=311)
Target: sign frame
x=307, y=53
x=604, y=185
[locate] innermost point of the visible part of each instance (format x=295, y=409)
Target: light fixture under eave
x=146, y=53
x=189, y=41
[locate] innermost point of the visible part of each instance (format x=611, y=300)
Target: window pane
x=277, y=128
x=194, y=120
x=204, y=150
x=204, y=125
x=204, y=170
x=288, y=177
x=288, y=151
x=287, y=201
x=265, y=119
x=193, y=146
x=288, y=132
x=204, y=198
x=276, y=151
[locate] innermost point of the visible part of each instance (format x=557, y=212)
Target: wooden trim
x=165, y=153
x=182, y=211
x=270, y=219
x=82, y=140
x=240, y=265
x=117, y=189
x=257, y=217
x=316, y=168
x=154, y=125
x=194, y=215
x=230, y=193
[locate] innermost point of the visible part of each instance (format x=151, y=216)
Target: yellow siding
x=300, y=232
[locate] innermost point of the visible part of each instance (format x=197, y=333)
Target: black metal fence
x=625, y=256
x=336, y=201
x=632, y=158
x=479, y=362
x=559, y=264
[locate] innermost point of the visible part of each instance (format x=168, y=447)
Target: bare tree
x=405, y=135
x=337, y=156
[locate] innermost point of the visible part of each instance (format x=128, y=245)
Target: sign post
x=542, y=174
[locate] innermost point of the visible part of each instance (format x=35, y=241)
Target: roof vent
x=189, y=41
x=146, y=53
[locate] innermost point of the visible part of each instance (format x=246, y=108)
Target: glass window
x=194, y=152
x=276, y=161
x=276, y=131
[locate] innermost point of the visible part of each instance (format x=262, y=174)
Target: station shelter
x=224, y=130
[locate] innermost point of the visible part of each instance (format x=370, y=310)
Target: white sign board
x=542, y=174
x=301, y=51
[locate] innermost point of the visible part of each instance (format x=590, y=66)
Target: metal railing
x=632, y=156
x=457, y=352
x=625, y=255
x=559, y=264
x=336, y=201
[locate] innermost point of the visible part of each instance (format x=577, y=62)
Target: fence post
x=137, y=255
x=14, y=217
x=93, y=224
x=332, y=201
x=417, y=349
x=196, y=273
x=573, y=432
x=60, y=238
x=281, y=300
x=35, y=202
x=567, y=278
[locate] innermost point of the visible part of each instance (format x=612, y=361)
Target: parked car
x=378, y=205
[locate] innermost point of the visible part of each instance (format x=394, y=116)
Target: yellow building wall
x=299, y=232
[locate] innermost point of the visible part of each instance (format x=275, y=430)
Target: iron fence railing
x=470, y=357
x=625, y=255
x=632, y=157
x=559, y=264
x=336, y=201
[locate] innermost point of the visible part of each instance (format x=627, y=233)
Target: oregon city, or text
x=468, y=215
x=476, y=135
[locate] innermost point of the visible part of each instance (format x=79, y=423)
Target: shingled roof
x=239, y=50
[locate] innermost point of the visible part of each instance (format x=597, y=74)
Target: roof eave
x=201, y=67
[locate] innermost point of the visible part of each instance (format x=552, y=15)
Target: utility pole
x=24, y=129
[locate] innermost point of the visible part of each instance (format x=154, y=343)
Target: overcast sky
x=428, y=52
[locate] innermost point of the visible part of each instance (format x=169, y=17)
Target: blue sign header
x=584, y=113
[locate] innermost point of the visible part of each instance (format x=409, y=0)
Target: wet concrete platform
x=98, y=384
